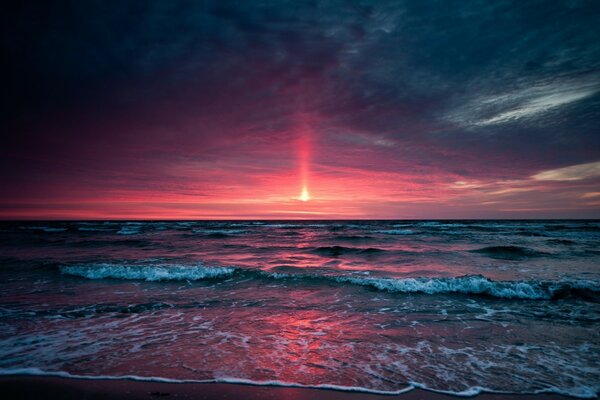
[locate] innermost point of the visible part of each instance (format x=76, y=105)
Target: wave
x=116, y=242
x=586, y=227
x=293, y=226
x=127, y=230
x=466, y=285
x=335, y=251
x=480, y=285
x=47, y=229
x=352, y=237
x=396, y=232
x=87, y=311
x=160, y=272
x=578, y=392
x=567, y=242
x=509, y=252
x=93, y=229
x=219, y=233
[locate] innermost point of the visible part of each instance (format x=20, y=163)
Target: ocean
x=458, y=307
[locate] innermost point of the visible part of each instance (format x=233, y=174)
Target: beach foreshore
x=34, y=387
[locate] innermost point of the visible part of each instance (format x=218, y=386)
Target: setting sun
x=304, y=196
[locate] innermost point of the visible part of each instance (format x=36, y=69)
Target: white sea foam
x=157, y=272
x=396, y=232
x=470, y=284
x=64, y=374
x=271, y=225
x=474, y=284
x=579, y=392
x=92, y=229
x=129, y=230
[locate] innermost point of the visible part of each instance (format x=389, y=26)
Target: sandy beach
x=28, y=387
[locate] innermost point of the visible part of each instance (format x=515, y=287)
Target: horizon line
x=292, y=219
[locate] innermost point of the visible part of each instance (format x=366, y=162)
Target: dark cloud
x=111, y=94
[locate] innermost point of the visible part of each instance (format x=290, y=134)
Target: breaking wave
x=480, y=285
x=466, y=285
x=161, y=272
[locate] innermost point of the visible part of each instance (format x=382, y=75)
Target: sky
x=300, y=109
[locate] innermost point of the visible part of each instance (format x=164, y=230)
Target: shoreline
x=26, y=387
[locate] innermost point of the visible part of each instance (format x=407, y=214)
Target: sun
x=304, y=196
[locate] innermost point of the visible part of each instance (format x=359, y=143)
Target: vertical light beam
x=304, y=134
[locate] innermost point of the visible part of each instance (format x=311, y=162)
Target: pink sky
x=383, y=111
x=244, y=175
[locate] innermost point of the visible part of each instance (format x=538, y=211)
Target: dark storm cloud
x=432, y=71
x=115, y=93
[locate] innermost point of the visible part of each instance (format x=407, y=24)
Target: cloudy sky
x=375, y=109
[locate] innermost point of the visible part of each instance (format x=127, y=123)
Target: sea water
x=458, y=307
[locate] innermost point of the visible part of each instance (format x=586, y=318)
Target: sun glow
x=304, y=196
x=304, y=144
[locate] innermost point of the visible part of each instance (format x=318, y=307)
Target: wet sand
x=29, y=388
